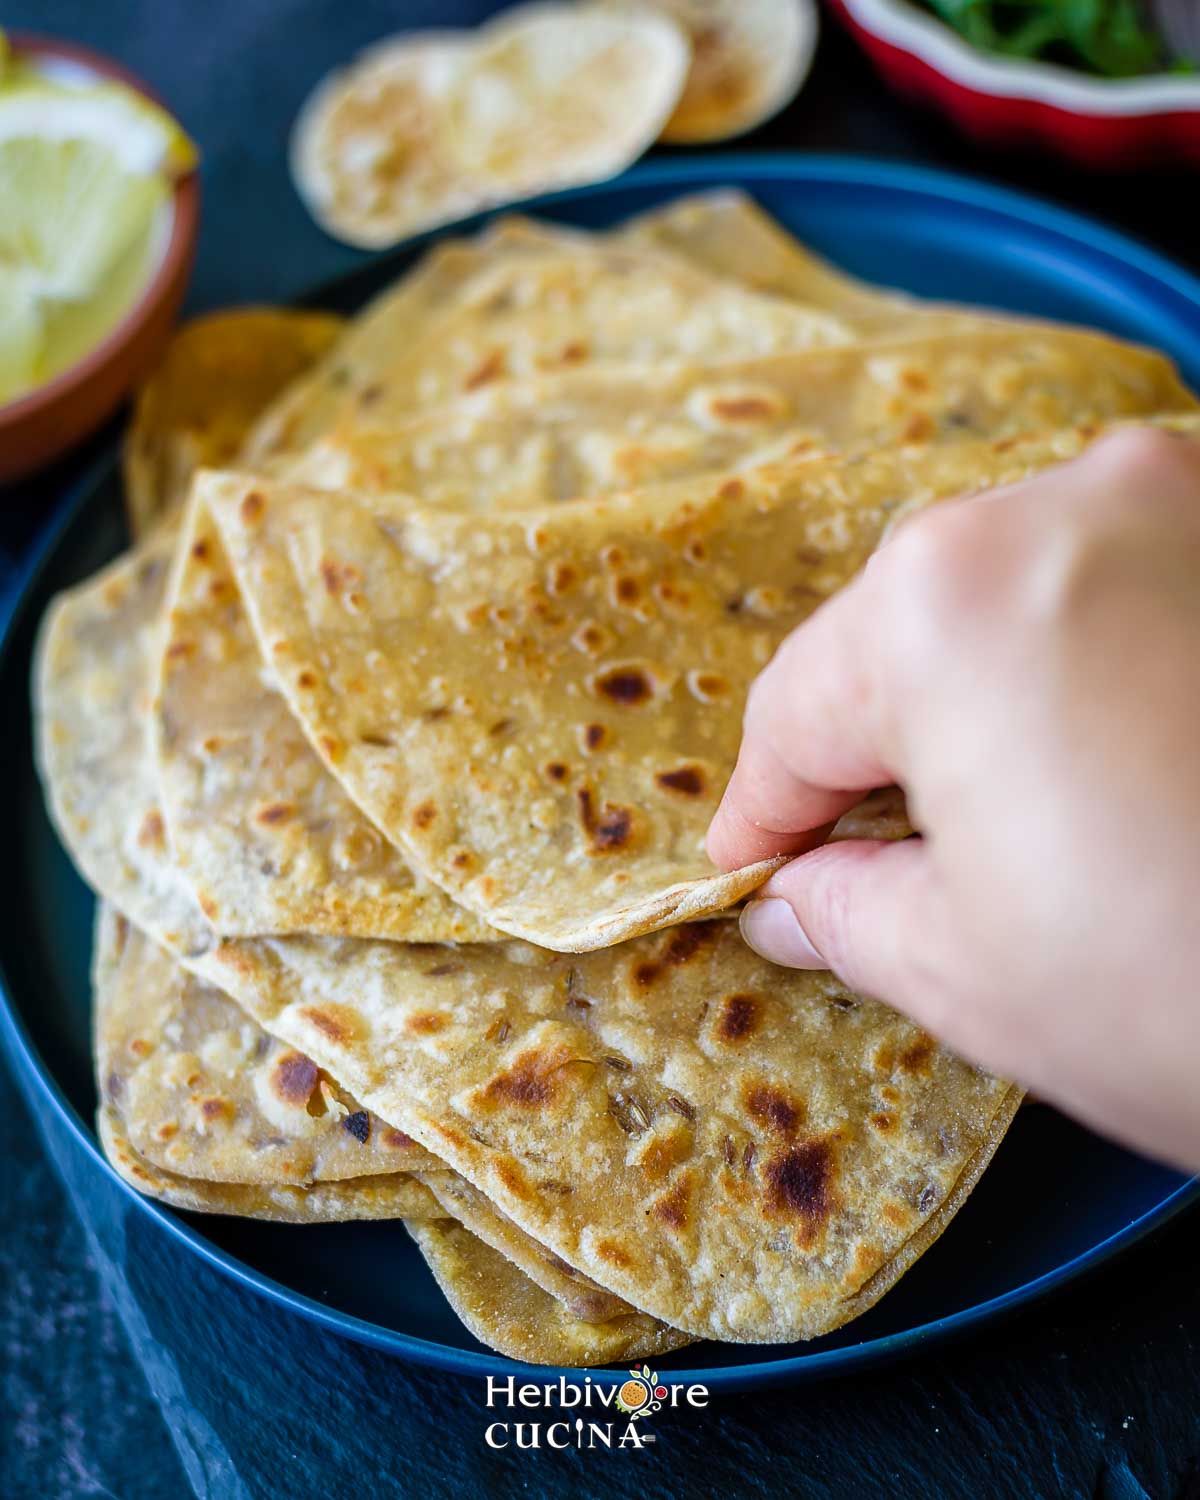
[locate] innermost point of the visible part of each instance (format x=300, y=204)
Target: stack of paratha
x=390, y=753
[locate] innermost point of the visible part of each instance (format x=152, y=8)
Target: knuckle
x=933, y=570
x=760, y=699
x=772, y=684
x=924, y=547
x=1146, y=454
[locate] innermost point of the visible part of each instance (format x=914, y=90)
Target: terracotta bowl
x=39, y=426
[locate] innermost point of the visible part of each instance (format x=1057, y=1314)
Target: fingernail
x=770, y=927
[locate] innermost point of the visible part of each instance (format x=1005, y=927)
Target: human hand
x=1026, y=665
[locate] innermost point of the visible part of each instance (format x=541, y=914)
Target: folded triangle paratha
x=265, y=837
x=264, y=834
x=97, y=766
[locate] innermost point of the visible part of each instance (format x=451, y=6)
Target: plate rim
x=33, y=1074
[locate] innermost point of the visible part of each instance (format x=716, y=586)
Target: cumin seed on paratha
x=73, y=733
x=748, y=1153
x=227, y=1175
x=500, y=1306
x=262, y=833
x=266, y=838
x=315, y=1004
x=541, y=709
x=200, y=1097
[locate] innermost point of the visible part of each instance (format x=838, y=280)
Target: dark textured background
x=131, y=1371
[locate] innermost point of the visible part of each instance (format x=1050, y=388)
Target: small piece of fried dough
x=219, y=373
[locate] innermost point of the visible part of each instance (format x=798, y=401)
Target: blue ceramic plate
x=1056, y=1201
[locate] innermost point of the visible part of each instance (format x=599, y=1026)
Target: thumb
x=859, y=908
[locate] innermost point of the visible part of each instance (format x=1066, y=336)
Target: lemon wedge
x=67, y=211
x=21, y=334
x=85, y=184
x=141, y=136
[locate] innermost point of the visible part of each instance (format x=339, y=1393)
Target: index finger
x=814, y=739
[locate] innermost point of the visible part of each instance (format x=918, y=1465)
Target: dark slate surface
x=1094, y=1394
x=76, y=1415
x=130, y=1371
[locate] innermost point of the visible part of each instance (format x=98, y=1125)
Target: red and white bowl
x=1003, y=101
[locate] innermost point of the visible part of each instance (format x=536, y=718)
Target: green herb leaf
x=1109, y=38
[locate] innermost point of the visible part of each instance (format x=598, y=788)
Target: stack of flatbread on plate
x=390, y=752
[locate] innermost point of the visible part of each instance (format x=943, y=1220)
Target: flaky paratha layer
x=499, y=1305
x=394, y=1196
x=466, y=1204
x=96, y=761
x=202, y=1092
x=511, y=1314
x=523, y=300
x=208, y=1111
